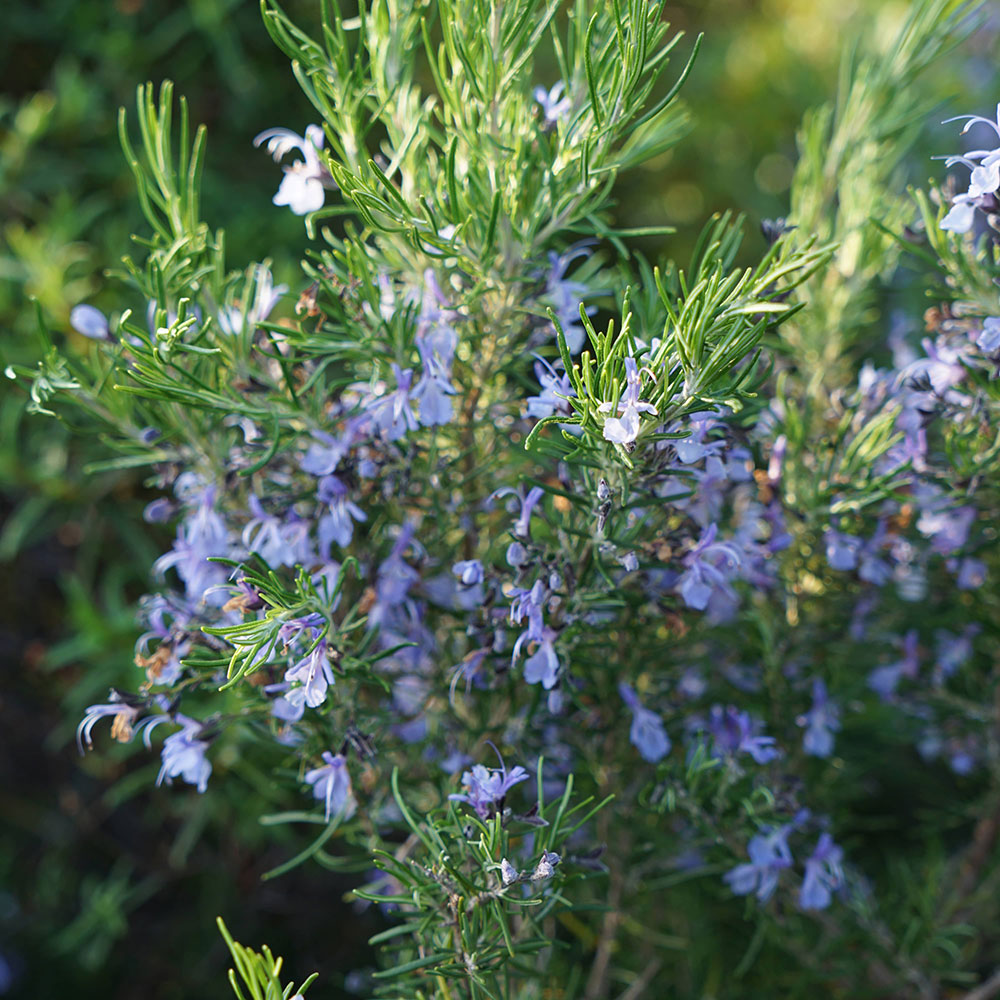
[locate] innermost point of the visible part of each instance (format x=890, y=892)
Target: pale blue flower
x=820, y=722
x=554, y=105
x=183, y=755
x=315, y=675
x=487, y=788
x=543, y=665
x=624, y=429
x=331, y=785
x=823, y=875
x=337, y=525
x=841, y=550
x=988, y=340
x=769, y=855
x=646, y=734
x=303, y=188
x=90, y=321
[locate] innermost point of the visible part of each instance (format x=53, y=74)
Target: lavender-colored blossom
x=432, y=394
x=278, y=542
x=487, y=788
x=158, y=511
x=469, y=572
x=337, y=525
x=325, y=454
x=943, y=367
x=947, y=528
x=953, y=650
x=556, y=391
x=709, y=566
x=331, y=785
x=437, y=336
x=565, y=296
x=820, y=722
x=528, y=604
x=508, y=873
x=543, y=665
x=624, y=429
x=872, y=568
x=988, y=340
x=971, y=573
x=394, y=579
x=90, y=321
x=392, y=414
x=124, y=714
x=823, y=874
x=734, y=732
x=769, y=855
x=183, y=755
x=841, y=550
x=984, y=177
x=315, y=675
x=646, y=734
x=303, y=188
x=694, y=446
x=266, y=296
x=201, y=536
x=884, y=680
x=555, y=106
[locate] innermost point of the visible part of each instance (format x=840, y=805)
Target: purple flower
x=734, y=732
x=303, y=187
x=769, y=854
x=988, y=340
x=948, y=529
x=469, y=572
x=971, y=574
x=543, y=665
x=942, y=367
x=331, y=784
x=315, y=675
x=984, y=178
x=884, y=680
x=953, y=650
x=841, y=550
x=337, y=525
x=555, y=395
x=820, y=722
x=437, y=337
x=122, y=728
x=202, y=535
x=183, y=755
x=647, y=734
x=266, y=297
x=487, y=788
x=392, y=413
x=394, y=580
x=823, y=874
x=709, y=567
x=277, y=542
x=565, y=296
x=554, y=105
x=624, y=428
x=326, y=453
x=693, y=447
x=90, y=321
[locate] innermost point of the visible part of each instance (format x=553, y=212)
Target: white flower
x=303, y=188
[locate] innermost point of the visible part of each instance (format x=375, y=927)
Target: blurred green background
x=109, y=888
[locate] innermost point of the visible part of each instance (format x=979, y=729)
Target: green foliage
x=260, y=972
